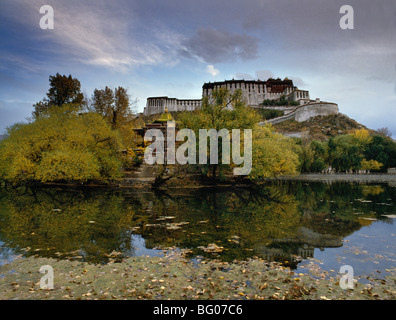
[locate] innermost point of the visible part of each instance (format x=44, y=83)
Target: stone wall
x=304, y=112
x=157, y=105
x=315, y=109
x=392, y=170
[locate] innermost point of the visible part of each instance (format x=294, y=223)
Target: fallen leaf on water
x=212, y=247
x=264, y=286
x=165, y=218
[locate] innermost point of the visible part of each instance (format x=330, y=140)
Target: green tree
x=306, y=154
x=383, y=150
x=223, y=109
x=320, y=156
x=312, y=154
x=345, y=153
x=63, y=90
x=113, y=105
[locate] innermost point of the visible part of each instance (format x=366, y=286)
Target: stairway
x=144, y=173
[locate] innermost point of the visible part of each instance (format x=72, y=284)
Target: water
x=292, y=222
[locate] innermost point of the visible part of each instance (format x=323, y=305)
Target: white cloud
x=212, y=70
x=264, y=74
x=243, y=76
x=96, y=34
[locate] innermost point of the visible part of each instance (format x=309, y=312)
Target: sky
x=172, y=47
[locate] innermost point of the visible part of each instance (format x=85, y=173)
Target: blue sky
x=171, y=47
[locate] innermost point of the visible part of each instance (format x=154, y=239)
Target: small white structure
x=392, y=171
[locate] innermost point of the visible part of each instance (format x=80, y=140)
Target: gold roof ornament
x=165, y=117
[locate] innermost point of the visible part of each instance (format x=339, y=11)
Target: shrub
x=62, y=145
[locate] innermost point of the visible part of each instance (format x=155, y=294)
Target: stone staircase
x=144, y=173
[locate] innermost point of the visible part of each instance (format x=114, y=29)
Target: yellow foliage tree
x=273, y=154
x=62, y=145
x=370, y=165
x=362, y=135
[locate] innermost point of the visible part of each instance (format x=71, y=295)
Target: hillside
x=320, y=127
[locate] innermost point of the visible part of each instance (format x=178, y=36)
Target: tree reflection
x=277, y=221
x=61, y=223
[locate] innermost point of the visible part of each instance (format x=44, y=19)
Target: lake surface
x=296, y=223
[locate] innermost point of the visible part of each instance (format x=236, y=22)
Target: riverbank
x=198, y=181
x=343, y=177
x=175, y=277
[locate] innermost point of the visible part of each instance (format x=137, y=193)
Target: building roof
x=270, y=82
x=165, y=117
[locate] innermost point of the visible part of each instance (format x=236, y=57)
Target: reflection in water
x=283, y=221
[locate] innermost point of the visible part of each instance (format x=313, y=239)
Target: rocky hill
x=320, y=127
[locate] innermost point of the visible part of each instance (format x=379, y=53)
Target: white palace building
x=254, y=93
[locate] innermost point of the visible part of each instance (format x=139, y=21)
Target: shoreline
x=343, y=177
x=194, y=181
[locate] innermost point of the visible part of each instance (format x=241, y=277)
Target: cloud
x=264, y=74
x=214, y=46
x=10, y=60
x=98, y=34
x=297, y=81
x=212, y=70
x=395, y=81
x=243, y=76
x=259, y=75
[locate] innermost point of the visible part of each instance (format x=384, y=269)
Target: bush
x=61, y=146
x=268, y=114
x=273, y=155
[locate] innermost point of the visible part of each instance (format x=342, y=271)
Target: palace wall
x=254, y=93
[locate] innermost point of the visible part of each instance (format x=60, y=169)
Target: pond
x=296, y=223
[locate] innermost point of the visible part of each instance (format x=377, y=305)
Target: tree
x=223, y=109
x=370, y=165
x=383, y=150
x=63, y=90
x=345, y=153
x=306, y=154
x=312, y=154
x=113, y=105
x=320, y=156
x=385, y=132
x=63, y=145
x=376, y=150
x=362, y=137
x=273, y=154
